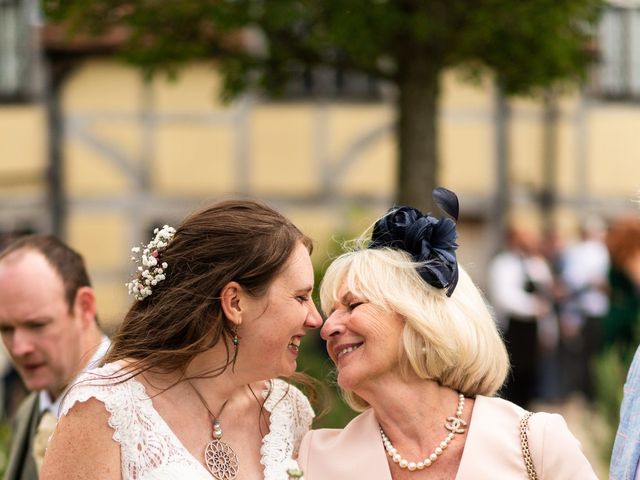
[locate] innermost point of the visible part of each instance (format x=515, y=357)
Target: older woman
x=417, y=352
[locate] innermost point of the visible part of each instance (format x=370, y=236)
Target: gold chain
x=524, y=442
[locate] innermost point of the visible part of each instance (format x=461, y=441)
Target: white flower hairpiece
x=151, y=271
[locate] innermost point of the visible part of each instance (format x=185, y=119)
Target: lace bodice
x=151, y=451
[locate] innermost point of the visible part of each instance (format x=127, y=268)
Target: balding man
x=49, y=327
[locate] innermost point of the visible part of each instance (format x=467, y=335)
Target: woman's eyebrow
x=344, y=300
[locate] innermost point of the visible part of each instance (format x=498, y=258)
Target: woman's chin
x=347, y=381
x=288, y=370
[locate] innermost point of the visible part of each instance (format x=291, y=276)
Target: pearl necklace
x=453, y=424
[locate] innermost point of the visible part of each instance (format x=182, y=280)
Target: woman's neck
x=230, y=385
x=414, y=408
x=203, y=374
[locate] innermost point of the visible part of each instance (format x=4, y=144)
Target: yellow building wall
x=195, y=149
x=194, y=90
x=23, y=150
x=100, y=237
x=193, y=160
x=614, y=150
x=467, y=161
x=281, y=150
x=103, y=85
x=567, y=149
x=89, y=175
x=467, y=151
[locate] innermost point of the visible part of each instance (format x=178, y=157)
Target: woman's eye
x=355, y=305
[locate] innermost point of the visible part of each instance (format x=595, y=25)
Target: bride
x=189, y=388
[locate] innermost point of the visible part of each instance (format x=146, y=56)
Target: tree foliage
x=527, y=44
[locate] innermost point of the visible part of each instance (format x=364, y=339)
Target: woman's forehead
x=348, y=287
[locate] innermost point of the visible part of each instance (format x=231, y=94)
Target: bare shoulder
x=82, y=446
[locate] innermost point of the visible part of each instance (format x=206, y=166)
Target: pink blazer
x=492, y=450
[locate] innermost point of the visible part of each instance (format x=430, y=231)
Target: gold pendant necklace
x=219, y=457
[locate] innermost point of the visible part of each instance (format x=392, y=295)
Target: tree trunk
x=417, y=133
x=58, y=71
x=502, y=198
x=549, y=164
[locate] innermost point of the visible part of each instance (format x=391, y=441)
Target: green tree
x=527, y=44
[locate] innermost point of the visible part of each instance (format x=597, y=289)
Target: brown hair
x=65, y=261
x=623, y=240
x=235, y=240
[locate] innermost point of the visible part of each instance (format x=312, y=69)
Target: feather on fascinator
x=430, y=241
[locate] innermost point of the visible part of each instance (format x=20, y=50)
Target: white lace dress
x=151, y=451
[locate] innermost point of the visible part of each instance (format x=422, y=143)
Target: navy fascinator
x=429, y=241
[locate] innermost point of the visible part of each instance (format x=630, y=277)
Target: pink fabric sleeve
x=556, y=453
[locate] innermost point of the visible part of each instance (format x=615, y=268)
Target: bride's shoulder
x=108, y=374
x=82, y=444
x=111, y=384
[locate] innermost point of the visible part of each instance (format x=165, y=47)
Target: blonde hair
x=450, y=340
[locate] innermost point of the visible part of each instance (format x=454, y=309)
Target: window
x=19, y=63
x=618, y=69
x=333, y=84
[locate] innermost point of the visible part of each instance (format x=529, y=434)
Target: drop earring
x=236, y=343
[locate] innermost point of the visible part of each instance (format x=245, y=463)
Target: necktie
x=45, y=429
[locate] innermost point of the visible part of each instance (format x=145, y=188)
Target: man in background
x=583, y=274
x=520, y=287
x=48, y=325
x=12, y=389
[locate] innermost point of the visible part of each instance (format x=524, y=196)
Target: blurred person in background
x=585, y=302
x=419, y=354
x=49, y=328
x=521, y=289
x=550, y=389
x=12, y=390
x=621, y=323
x=623, y=317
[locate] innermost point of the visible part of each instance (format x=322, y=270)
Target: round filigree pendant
x=221, y=460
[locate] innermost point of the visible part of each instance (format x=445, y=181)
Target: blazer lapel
x=353, y=452
x=375, y=461
x=20, y=465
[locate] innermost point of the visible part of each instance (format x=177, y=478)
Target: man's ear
x=85, y=305
x=231, y=301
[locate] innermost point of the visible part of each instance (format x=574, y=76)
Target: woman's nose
x=332, y=326
x=314, y=319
